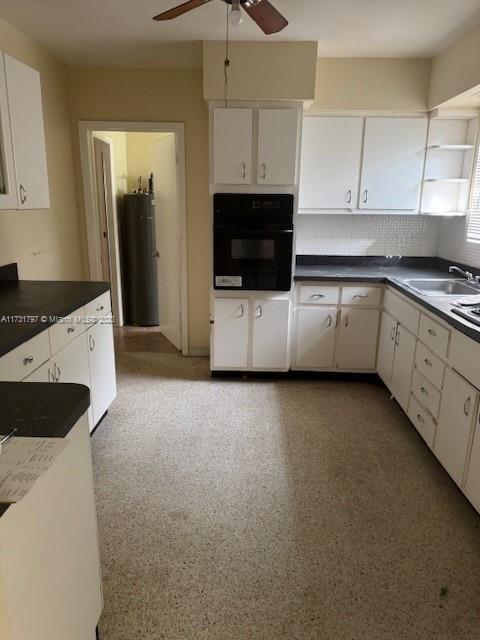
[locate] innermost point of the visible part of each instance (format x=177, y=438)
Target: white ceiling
x=122, y=33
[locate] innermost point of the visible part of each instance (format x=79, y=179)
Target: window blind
x=473, y=228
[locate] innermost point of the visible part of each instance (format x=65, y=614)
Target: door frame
x=86, y=131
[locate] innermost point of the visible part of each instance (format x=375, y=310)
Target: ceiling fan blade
x=180, y=10
x=266, y=16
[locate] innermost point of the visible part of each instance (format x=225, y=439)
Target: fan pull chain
x=227, y=60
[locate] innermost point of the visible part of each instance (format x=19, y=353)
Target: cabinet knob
x=420, y=418
x=428, y=362
x=431, y=332
x=424, y=391
x=100, y=308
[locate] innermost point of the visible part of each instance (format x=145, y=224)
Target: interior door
x=103, y=183
x=405, y=344
x=315, y=337
x=168, y=236
x=232, y=146
x=270, y=340
x=277, y=146
x=357, y=347
x=230, y=333
x=393, y=159
x=27, y=126
x=330, y=162
x=386, y=347
x=455, y=422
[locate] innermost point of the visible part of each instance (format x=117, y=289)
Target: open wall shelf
x=447, y=177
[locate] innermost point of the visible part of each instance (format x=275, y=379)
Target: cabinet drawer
x=66, y=330
x=367, y=296
x=465, y=356
x=24, y=359
x=401, y=310
x=434, y=335
x=98, y=308
x=422, y=421
x=426, y=393
x=429, y=365
x=311, y=294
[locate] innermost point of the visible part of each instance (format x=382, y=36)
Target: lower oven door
x=258, y=260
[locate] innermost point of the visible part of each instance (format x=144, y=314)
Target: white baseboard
x=198, y=353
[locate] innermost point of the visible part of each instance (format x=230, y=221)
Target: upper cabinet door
x=393, y=159
x=232, y=146
x=26, y=118
x=8, y=184
x=277, y=146
x=330, y=162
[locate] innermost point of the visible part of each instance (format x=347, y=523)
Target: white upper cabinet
x=232, y=146
x=393, y=160
x=8, y=184
x=277, y=146
x=330, y=162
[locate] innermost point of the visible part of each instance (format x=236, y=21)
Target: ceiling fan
x=261, y=11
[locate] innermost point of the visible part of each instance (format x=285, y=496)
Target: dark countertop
x=32, y=299
x=391, y=271
x=41, y=409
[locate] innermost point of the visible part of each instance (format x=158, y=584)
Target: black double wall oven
x=253, y=241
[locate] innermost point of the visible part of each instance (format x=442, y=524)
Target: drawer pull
x=424, y=391
x=259, y=311
x=420, y=418
x=346, y=321
x=393, y=332
x=317, y=296
x=28, y=360
x=466, y=406
x=92, y=341
x=361, y=295
x=329, y=321
x=70, y=329
x=100, y=308
x=431, y=332
x=428, y=362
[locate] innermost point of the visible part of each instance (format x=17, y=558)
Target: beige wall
x=45, y=243
x=456, y=70
x=160, y=96
x=140, y=156
x=260, y=70
x=372, y=83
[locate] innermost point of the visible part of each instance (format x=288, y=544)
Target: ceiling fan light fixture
x=235, y=17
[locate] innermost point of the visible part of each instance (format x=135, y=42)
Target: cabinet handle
x=57, y=368
x=70, y=329
x=100, y=308
x=428, y=362
x=27, y=360
x=346, y=321
x=420, y=418
x=316, y=296
x=397, y=336
x=329, y=321
x=244, y=169
x=365, y=196
x=393, y=332
x=50, y=375
x=431, y=332
x=349, y=196
x=361, y=295
x=92, y=341
x=466, y=406
x=424, y=391
x=264, y=171
x=259, y=311
x=23, y=194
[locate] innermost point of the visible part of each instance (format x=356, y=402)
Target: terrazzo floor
x=234, y=509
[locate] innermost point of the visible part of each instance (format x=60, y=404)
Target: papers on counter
x=23, y=461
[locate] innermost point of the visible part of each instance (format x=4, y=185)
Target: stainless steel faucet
x=464, y=274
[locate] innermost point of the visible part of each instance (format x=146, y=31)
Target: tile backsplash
x=396, y=235
x=454, y=246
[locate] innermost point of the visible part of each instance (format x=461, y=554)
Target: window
x=473, y=228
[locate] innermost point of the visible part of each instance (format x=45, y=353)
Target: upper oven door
x=253, y=259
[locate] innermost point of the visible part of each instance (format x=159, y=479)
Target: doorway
x=118, y=160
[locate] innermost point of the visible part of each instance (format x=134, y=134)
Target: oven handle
x=251, y=232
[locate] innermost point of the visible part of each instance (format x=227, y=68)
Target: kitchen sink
x=440, y=287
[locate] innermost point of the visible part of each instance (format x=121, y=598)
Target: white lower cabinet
x=386, y=347
x=357, y=342
x=455, y=423
x=230, y=333
x=472, y=484
x=315, y=337
x=101, y=360
x=270, y=327
x=402, y=368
